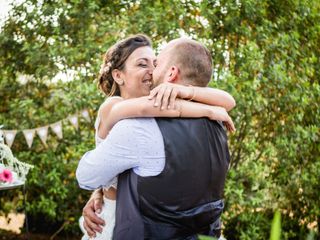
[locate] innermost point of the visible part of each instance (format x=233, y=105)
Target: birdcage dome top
x=10, y=165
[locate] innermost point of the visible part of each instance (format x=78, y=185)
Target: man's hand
x=92, y=223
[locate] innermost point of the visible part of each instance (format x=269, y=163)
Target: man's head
x=183, y=61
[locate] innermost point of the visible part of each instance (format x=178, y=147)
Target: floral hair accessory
x=105, y=68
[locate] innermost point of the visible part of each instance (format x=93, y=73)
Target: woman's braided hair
x=115, y=58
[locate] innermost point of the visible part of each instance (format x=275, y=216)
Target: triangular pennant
x=29, y=135
x=85, y=115
x=43, y=134
x=9, y=135
x=57, y=129
x=74, y=120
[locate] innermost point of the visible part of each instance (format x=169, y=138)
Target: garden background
x=265, y=53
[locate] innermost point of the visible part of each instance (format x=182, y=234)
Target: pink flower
x=6, y=176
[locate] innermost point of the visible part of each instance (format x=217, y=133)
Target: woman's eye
x=143, y=65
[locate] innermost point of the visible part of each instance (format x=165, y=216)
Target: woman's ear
x=173, y=74
x=117, y=76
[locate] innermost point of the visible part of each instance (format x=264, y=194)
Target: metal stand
x=23, y=184
x=25, y=210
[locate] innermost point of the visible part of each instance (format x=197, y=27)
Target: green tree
x=265, y=54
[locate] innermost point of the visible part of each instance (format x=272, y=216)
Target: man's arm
x=140, y=137
x=114, y=155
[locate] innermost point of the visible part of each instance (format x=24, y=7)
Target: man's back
x=186, y=197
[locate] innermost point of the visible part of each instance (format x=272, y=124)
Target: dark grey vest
x=185, y=199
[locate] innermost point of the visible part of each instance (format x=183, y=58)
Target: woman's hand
x=92, y=223
x=166, y=93
x=220, y=114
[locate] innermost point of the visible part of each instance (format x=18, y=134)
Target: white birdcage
x=8, y=161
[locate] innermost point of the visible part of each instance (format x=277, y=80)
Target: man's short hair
x=194, y=61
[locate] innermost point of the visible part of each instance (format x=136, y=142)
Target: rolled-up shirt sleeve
x=117, y=153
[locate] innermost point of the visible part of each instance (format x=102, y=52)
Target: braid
x=106, y=81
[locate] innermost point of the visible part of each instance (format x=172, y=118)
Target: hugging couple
x=161, y=156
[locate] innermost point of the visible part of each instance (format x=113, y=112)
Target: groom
x=184, y=198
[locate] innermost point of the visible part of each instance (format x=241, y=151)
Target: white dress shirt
x=132, y=143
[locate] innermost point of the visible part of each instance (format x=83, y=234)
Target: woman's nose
x=151, y=70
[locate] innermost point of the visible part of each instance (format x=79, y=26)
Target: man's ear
x=117, y=76
x=173, y=74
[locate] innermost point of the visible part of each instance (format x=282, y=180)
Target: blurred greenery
x=266, y=54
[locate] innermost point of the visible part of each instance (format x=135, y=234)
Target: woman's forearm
x=189, y=109
x=143, y=107
x=195, y=110
x=136, y=107
x=212, y=96
x=167, y=92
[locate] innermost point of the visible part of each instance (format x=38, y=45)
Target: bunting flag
x=74, y=120
x=9, y=136
x=57, y=129
x=85, y=115
x=43, y=134
x=29, y=135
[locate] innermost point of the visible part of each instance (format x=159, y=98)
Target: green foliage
x=265, y=54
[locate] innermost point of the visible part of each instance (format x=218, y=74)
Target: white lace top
x=99, y=140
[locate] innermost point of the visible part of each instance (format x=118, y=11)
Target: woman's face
x=137, y=73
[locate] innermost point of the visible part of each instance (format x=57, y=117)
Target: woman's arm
x=143, y=107
x=166, y=93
